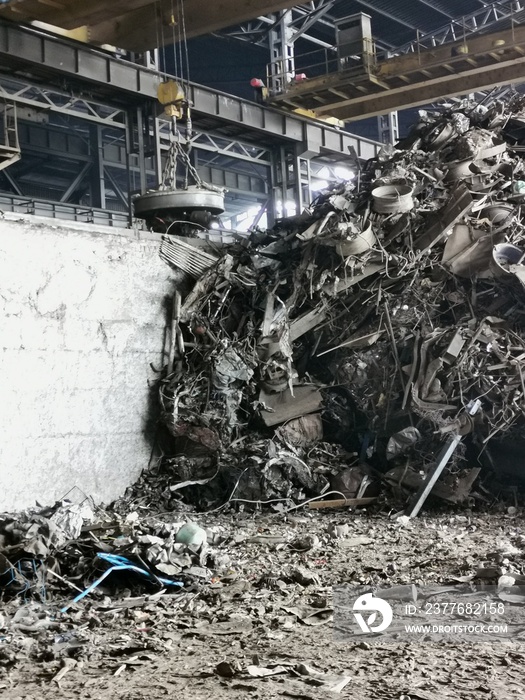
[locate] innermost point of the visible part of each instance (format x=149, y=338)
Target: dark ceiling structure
x=137, y=25
x=74, y=162
x=396, y=22
x=397, y=26
x=144, y=24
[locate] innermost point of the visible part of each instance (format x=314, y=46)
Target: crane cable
x=178, y=150
x=185, y=42
x=178, y=44
x=173, y=23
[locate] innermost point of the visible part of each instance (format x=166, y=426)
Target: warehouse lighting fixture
x=319, y=185
x=343, y=173
x=290, y=208
x=324, y=172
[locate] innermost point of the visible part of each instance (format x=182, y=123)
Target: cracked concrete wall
x=83, y=314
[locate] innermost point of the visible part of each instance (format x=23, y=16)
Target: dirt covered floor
x=263, y=626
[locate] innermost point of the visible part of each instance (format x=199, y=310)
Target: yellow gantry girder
x=137, y=25
x=408, y=80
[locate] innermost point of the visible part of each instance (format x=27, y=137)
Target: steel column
x=128, y=168
x=98, y=190
x=388, y=128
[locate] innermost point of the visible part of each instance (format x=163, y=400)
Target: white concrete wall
x=82, y=316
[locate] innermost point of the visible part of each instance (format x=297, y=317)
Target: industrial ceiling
x=395, y=22
x=137, y=25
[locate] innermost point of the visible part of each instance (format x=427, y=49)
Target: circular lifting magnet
x=165, y=202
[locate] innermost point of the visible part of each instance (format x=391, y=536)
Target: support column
x=302, y=182
x=141, y=151
x=157, y=156
x=282, y=59
x=148, y=133
x=290, y=180
x=128, y=167
x=97, y=185
x=387, y=126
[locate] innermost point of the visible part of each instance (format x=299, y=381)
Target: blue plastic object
x=119, y=563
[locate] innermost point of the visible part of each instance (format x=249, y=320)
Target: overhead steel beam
x=240, y=183
x=428, y=91
x=115, y=153
x=137, y=25
x=153, y=24
x=50, y=55
x=461, y=27
x=28, y=148
x=122, y=82
x=387, y=14
x=436, y=8
x=235, y=148
x=413, y=79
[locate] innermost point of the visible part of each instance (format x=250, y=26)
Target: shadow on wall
x=155, y=432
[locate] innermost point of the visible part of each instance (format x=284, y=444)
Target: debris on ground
x=265, y=618
x=40, y=550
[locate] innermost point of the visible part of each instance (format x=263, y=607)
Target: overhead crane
x=138, y=25
x=363, y=85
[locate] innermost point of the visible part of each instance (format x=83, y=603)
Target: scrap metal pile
x=55, y=550
x=347, y=344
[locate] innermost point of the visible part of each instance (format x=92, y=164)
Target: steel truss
x=124, y=84
x=220, y=144
x=116, y=156
x=461, y=27
x=124, y=141
x=300, y=18
x=95, y=159
x=46, y=98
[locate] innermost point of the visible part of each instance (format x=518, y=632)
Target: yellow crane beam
x=408, y=80
x=137, y=25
